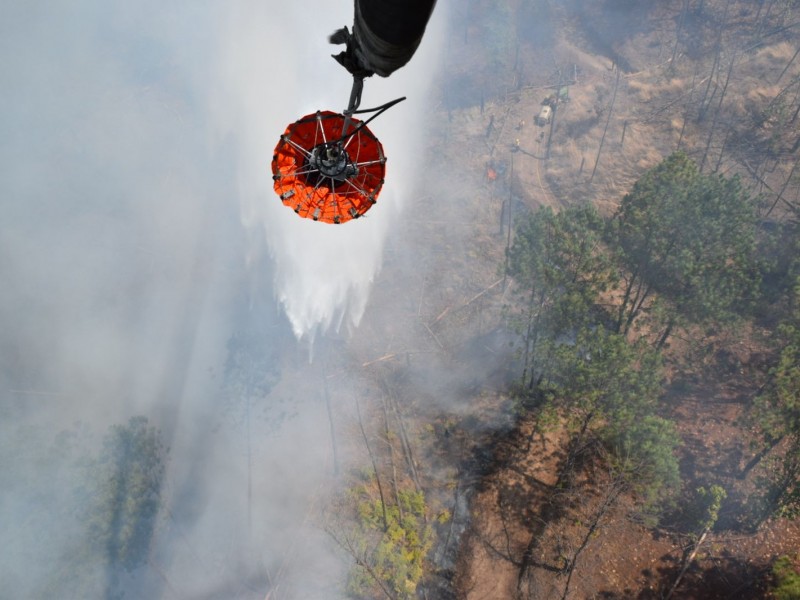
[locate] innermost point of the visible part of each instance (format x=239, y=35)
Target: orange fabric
x=320, y=200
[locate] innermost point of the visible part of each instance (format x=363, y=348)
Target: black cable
x=380, y=110
x=382, y=107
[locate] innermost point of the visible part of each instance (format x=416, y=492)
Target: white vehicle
x=544, y=116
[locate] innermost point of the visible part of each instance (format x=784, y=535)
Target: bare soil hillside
x=643, y=79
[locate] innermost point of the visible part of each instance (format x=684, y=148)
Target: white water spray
x=323, y=273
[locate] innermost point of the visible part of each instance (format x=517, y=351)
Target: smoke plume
x=147, y=266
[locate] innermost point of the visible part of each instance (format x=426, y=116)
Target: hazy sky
x=139, y=232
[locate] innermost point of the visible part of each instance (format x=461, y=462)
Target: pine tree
x=559, y=266
x=687, y=238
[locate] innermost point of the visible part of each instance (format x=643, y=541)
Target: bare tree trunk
x=686, y=564
x=602, y=511
x=330, y=422
x=701, y=113
x=789, y=64
x=760, y=27
x=576, y=447
x=783, y=189
x=639, y=298
x=796, y=111
x=160, y=572
x=623, y=305
x=717, y=112
x=780, y=95
x=686, y=109
x=508, y=210
x=404, y=441
x=722, y=150
x=347, y=546
x=387, y=432
x=684, y=10
x=374, y=467
x=665, y=336
x=528, y=333
x=249, y=474
x=605, y=129
x=717, y=51
x=753, y=462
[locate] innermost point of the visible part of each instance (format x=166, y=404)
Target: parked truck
x=544, y=116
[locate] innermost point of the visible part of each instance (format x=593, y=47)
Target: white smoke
x=135, y=138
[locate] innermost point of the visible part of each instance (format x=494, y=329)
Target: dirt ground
x=599, y=142
x=625, y=558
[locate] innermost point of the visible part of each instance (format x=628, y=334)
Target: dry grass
x=648, y=90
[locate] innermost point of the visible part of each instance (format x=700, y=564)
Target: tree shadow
x=714, y=578
x=717, y=578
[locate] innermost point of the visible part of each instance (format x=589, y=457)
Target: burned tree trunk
x=605, y=129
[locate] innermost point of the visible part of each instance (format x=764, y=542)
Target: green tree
x=787, y=579
x=114, y=498
x=389, y=544
x=127, y=496
x=645, y=456
x=779, y=250
x=707, y=505
x=603, y=378
x=777, y=412
x=780, y=484
x=559, y=266
x=688, y=238
x=778, y=405
x=604, y=386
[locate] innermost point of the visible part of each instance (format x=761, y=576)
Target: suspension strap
x=355, y=101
